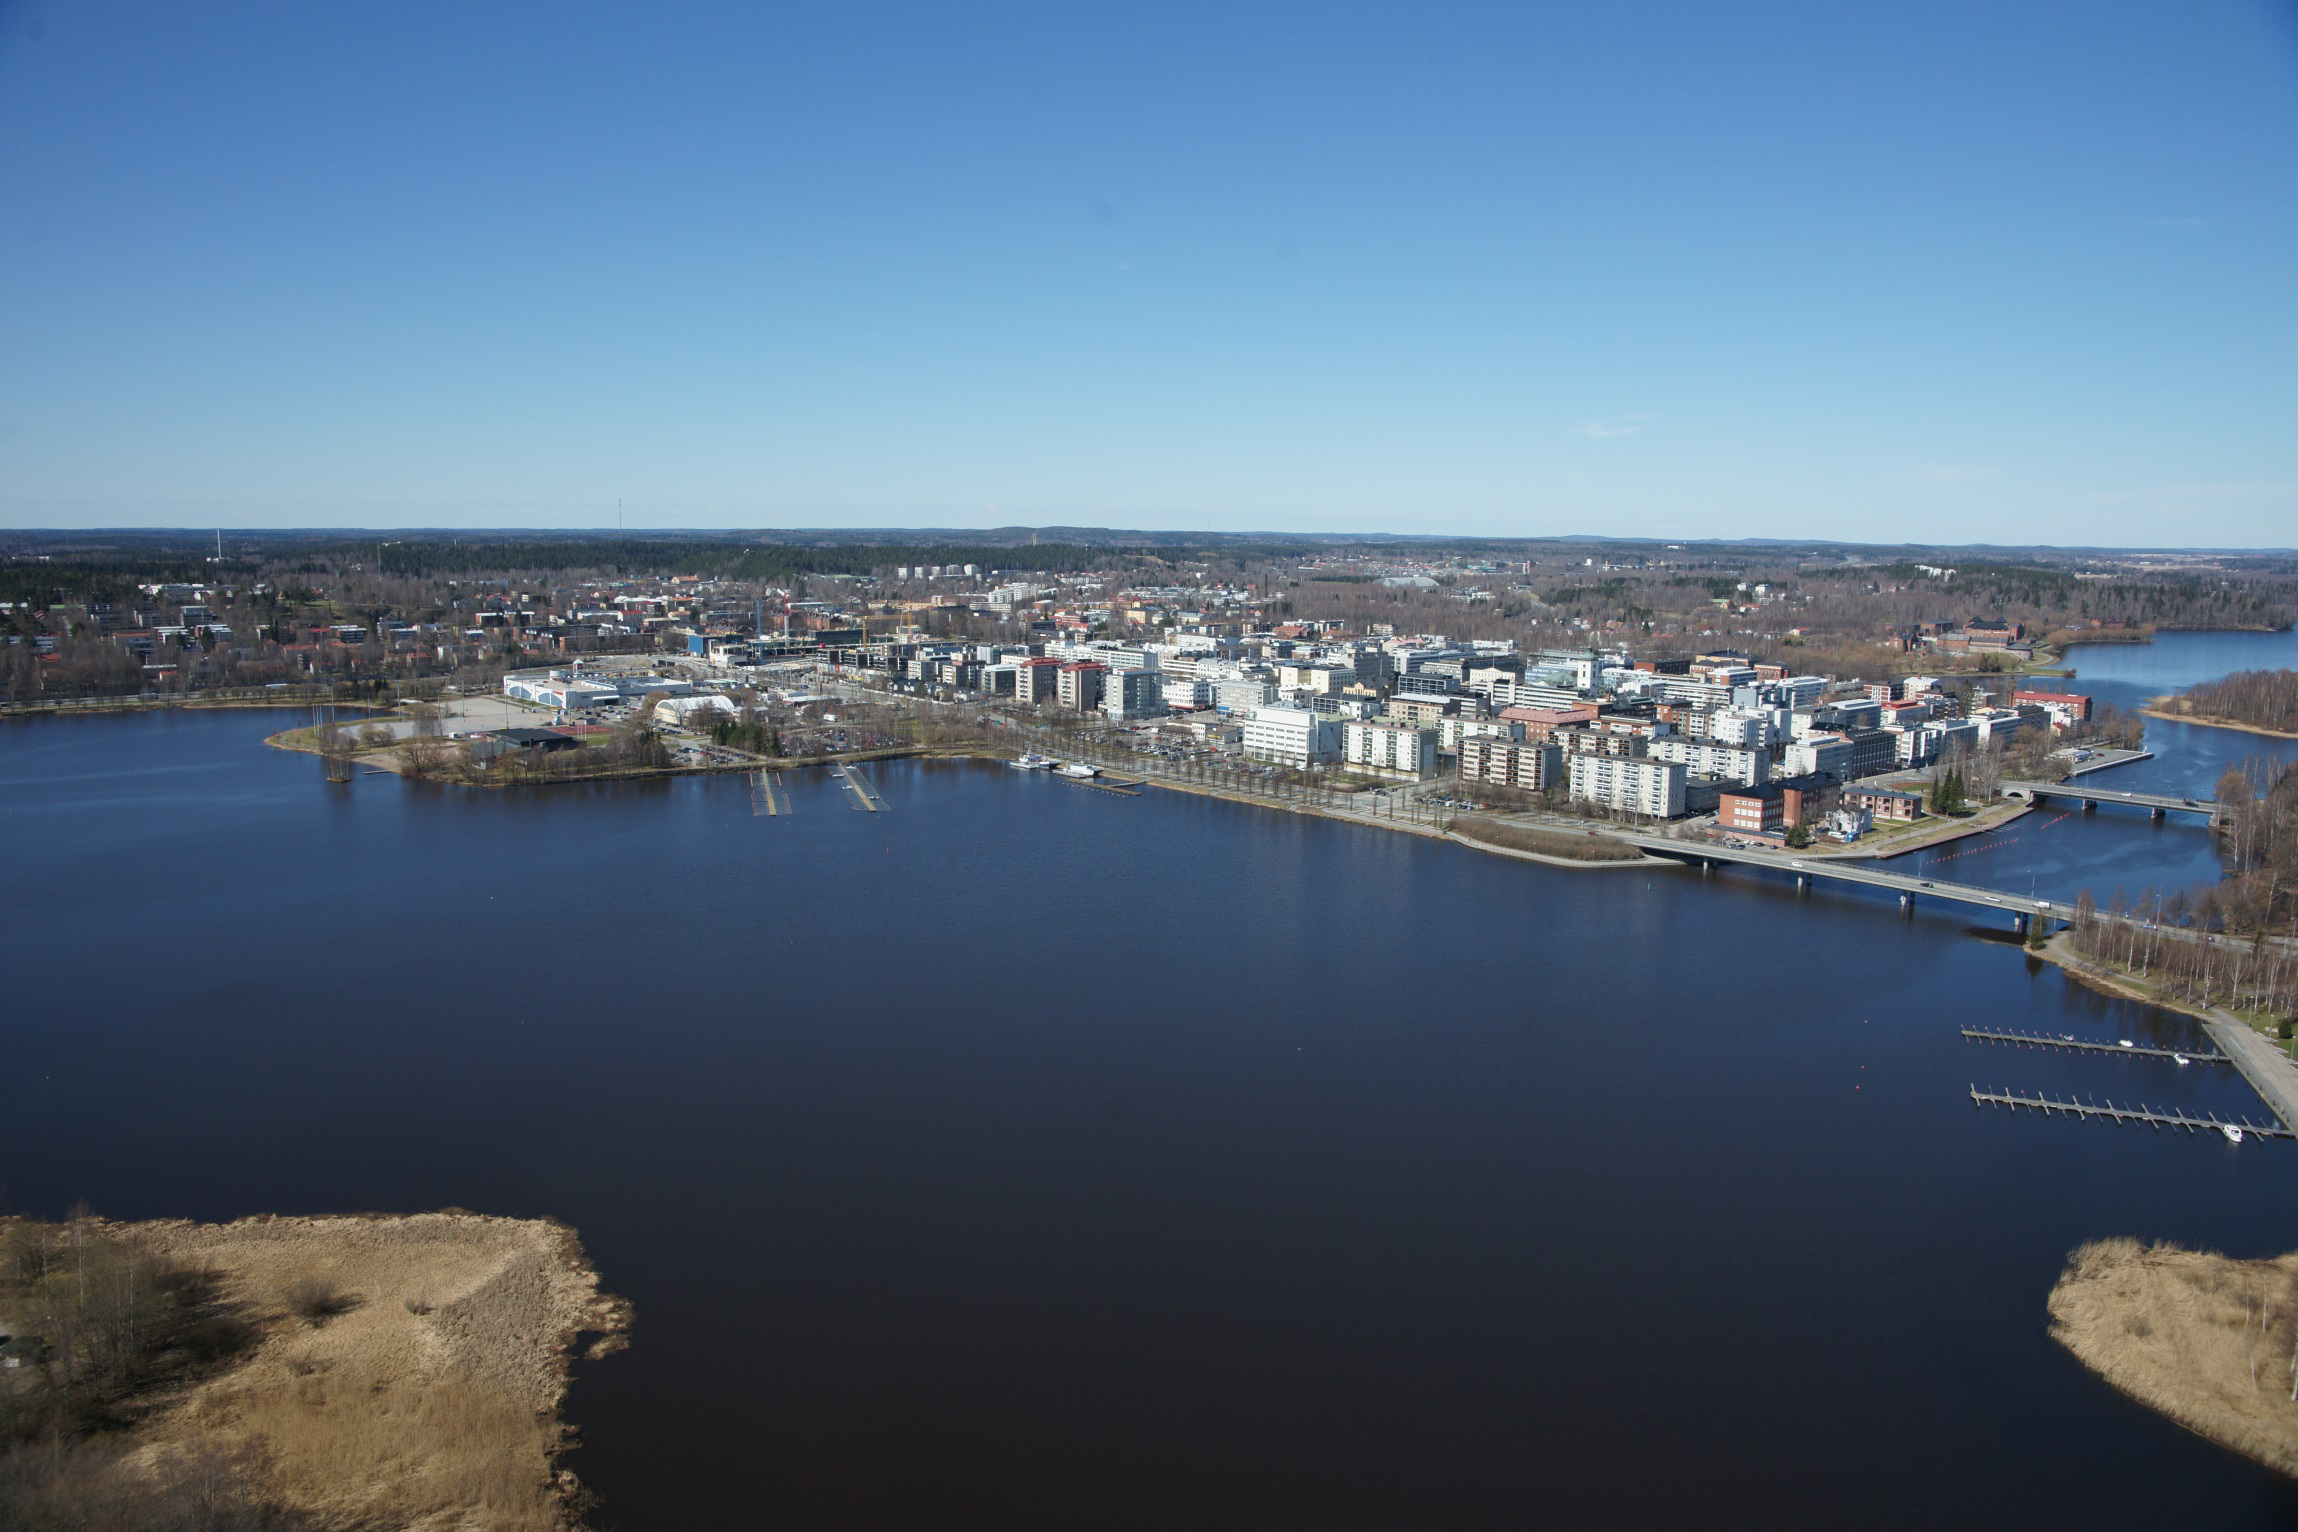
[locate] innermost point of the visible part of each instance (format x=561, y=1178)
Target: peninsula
x=2209, y=1341
x=402, y=1371
x=2254, y=701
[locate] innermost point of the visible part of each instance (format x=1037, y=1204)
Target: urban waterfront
x=2059, y=850
x=1032, y=1156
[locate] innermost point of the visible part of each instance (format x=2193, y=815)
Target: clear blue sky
x=1949, y=271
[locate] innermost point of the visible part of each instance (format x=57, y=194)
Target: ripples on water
x=1034, y=1157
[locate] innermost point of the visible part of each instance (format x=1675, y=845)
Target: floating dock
x=2127, y=1050
x=768, y=796
x=2142, y=1115
x=1128, y=789
x=864, y=797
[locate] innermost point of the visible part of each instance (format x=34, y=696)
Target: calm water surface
x=1031, y=1157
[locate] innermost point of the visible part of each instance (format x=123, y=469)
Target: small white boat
x=2124, y=1042
x=2182, y=1058
x=2233, y=1133
x=1077, y=769
x=1030, y=760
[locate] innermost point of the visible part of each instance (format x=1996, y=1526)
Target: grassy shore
x=2204, y=1339
x=2155, y=708
x=392, y=1371
x=1548, y=845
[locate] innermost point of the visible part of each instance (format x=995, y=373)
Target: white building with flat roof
x=1628, y=784
x=1242, y=696
x=1292, y=736
x=1389, y=749
x=1705, y=758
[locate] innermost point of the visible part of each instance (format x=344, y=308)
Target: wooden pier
x=2128, y=1050
x=1125, y=789
x=2142, y=1115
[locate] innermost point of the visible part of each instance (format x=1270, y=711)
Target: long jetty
x=2144, y=1116
x=1127, y=789
x=2073, y=1045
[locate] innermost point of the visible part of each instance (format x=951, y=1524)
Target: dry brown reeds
x=408, y=1374
x=2209, y=1341
x=1553, y=843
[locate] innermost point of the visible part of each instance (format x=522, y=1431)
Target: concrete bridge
x=2021, y=908
x=2156, y=804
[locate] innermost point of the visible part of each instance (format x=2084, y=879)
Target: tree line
x=2263, y=699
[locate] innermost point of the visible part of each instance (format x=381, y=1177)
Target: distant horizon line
x=863, y=535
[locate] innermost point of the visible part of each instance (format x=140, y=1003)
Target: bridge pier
x=2019, y=923
x=2157, y=813
x=2091, y=805
x=1906, y=900
x=1802, y=883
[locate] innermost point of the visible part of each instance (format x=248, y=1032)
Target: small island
x=2256, y=701
x=402, y=1371
x=2209, y=1341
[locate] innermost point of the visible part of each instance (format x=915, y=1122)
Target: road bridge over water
x=2156, y=804
x=1805, y=870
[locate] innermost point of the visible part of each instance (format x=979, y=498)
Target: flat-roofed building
x=1510, y=763
x=1292, y=736
x=1705, y=758
x=2066, y=708
x=1389, y=749
x=1081, y=685
x=1037, y=681
x=1134, y=694
x=1628, y=784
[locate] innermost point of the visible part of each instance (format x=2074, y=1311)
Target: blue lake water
x=1032, y=1157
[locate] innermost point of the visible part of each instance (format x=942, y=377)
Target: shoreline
x=2004, y=813
x=390, y=1369
x=2197, y=1337
x=2263, y=1065
x=2153, y=711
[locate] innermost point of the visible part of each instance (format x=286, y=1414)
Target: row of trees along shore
x=2263, y=699
x=2229, y=943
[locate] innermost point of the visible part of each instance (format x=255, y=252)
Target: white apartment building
x=1818, y=752
x=1187, y=694
x=1389, y=749
x=1532, y=767
x=1704, y=758
x=1997, y=724
x=1628, y=784
x=1453, y=728
x=1752, y=730
x=1800, y=691
x=1242, y=696
x=1324, y=680
x=1292, y=736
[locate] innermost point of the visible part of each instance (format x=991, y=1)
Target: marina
x=2070, y=1044
x=861, y=795
x=2236, y=1130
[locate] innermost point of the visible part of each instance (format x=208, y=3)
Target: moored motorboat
x=1077, y=769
